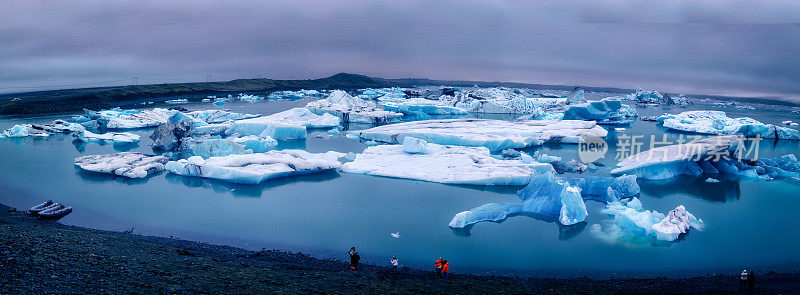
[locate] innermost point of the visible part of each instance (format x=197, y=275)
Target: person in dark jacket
x=751, y=282
x=354, y=258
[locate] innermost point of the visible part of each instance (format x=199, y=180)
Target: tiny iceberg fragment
x=496, y=135
x=443, y=163
x=256, y=168
x=127, y=164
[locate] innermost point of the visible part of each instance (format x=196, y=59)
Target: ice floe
x=116, y=137
x=443, y=164
x=256, y=168
x=352, y=109
x=493, y=134
x=296, y=116
x=219, y=116
x=117, y=118
x=606, y=111
x=218, y=147
x=294, y=95
x=127, y=164
x=718, y=123
x=631, y=223
x=416, y=106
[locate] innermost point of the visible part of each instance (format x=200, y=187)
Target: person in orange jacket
x=438, y=266
x=445, y=269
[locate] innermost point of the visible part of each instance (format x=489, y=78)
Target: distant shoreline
x=70, y=100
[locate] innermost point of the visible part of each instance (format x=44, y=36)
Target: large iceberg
x=219, y=116
x=25, y=130
x=169, y=137
x=416, y=106
x=256, y=168
x=606, y=111
x=218, y=147
x=631, y=223
x=117, y=118
x=443, y=164
x=296, y=116
x=714, y=155
x=293, y=95
x=127, y=164
x=116, y=137
x=718, y=123
x=551, y=198
x=352, y=109
x=494, y=134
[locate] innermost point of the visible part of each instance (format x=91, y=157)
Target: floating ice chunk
x=487, y=212
x=219, y=116
x=597, y=188
x=717, y=122
x=293, y=95
x=218, y=147
x=669, y=161
x=116, y=137
x=169, y=137
x=493, y=134
x=576, y=96
x=296, y=116
x=553, y=198
x=129, y=119
x=545, y=158
x=421, y=105
x=352, y=109
x=131, y=165
x=17, y=131
x=444, y=164
x=78, y=119
x=250, y=98
x=712, y=180
x=395, y=235
x=677, y=222
x=256, y=168
x=606, y=111
x=284, y=132
x=176, y=101
x=414, y=145
x=645, y=96
x=631, y=223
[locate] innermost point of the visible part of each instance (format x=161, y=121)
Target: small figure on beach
x=438, y=266
x=743, y=281
x=354, y=258
x=445, y=268
x=395, y=262
x=751, y=282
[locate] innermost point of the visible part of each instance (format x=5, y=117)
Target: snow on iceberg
x=416, y=106
x=632, y=224
x=116, y=137
x=127, y=164
x=219, y=116
x=250, y=98
x=352, y=109
x=718, y=123
x=117, y=118
x=296, y=116
x=256, y=168
x=444, y=164
x=293, y=95
x=494, y=134
x=606, y=111
x=414, y=145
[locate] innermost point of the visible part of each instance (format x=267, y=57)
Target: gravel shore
x=45, y=257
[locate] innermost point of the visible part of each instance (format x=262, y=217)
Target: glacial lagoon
x=748, y=223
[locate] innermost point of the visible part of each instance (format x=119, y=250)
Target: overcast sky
x=741, y=48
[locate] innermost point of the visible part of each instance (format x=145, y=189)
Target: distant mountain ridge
x=68, y=100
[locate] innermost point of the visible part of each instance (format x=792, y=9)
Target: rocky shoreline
x=46, y=257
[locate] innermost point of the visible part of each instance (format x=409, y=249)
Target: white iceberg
x=296, y=116
x=488, y=212
x=444, y=164
x=293, y=95
x=718, y=123
x=250, y=98
x=415, y=106
x=606, y=111
x=218, y=147
x=632, y=224
x=494, y=134
x=219, y=116
x=176, y=101
x=256, y=168
x=116, y=137
x=352, y=109
x=117, y=118
x=132, y=165
x=673, y=160
x=414, y=145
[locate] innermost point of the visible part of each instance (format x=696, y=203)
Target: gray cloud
x=744, y=48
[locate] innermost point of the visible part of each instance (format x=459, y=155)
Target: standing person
x=354, y=258
x=445, y=268
x=394, y=261
x=751, y=282
x=743, y=281
x=438, y=266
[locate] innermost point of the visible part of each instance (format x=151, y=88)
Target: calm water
x=749, y=223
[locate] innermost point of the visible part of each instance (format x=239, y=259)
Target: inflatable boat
x=38, y=208
x=54, y=211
